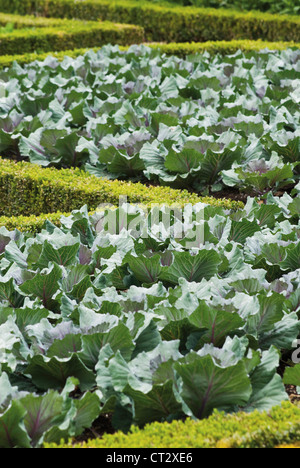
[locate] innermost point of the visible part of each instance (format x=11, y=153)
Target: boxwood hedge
x=27, y=189
x=178, y=49
x=254, y=430
x=41, y=34
x=168, y=23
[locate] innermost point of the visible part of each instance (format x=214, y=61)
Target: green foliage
x=295, y=445
x=8, y=28
x=115, y=311
x=30, y=34
x=29, y=223
x=31, y=21
x=199, y=123
x=27, y=190
x=292, y=375
x=169, y=24
x=259, y=177
x=151, y=314
x=178, y=49
x=255, y=430
x=220, y=47
x=272, y=6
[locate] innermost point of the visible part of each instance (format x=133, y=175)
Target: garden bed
x=203, y=123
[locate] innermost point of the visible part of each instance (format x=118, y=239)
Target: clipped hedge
x=31, y=224
x=290, y=7
x=64, y=35
x=168, y=23
x=296, y=445
x=27, y=189
x=178, y=49
x=281, y=425
x=30, y=21
x=48, y=39
x=220, y=47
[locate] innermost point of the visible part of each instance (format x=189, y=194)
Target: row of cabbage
x=204, y=122
x=147, y=314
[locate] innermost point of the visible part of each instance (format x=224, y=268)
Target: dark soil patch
x=229, y=194
x=100, y=426
x=292, y=393
x=236, y=195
